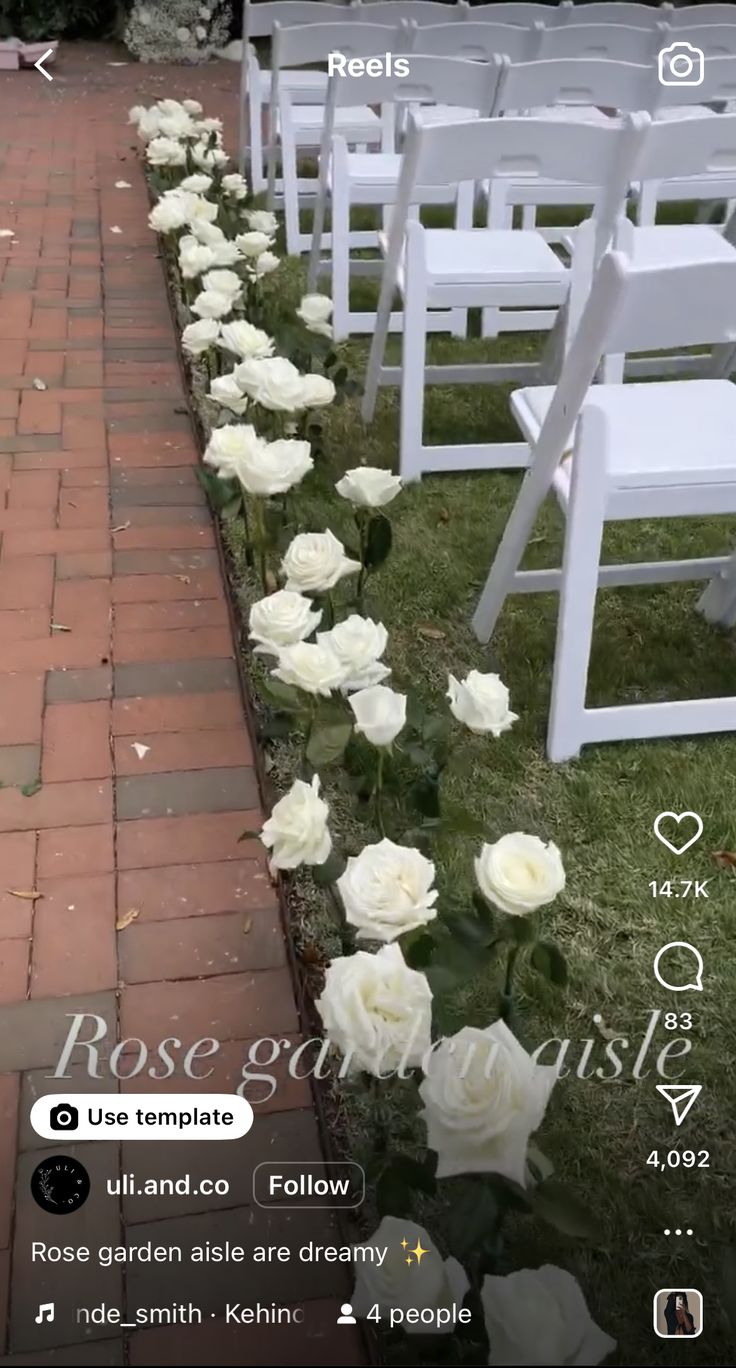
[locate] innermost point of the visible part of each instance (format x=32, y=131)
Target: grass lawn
x=649, y=644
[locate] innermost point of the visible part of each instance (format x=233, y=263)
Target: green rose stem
x=329, y=610
x=361, y=523
x=507, y=996
x=378, y=791
x=259, y=537
x=307, y=769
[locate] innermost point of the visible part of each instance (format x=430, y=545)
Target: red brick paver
x=146, y=912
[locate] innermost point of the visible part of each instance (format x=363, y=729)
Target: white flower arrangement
x=177, y=31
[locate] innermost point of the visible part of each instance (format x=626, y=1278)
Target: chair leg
x=255, y=132
x=289, y=170
x=646, y=204
x=378, y=343
x=507, y=559
x=579, y=586
x=413, y=357
x=340, y=256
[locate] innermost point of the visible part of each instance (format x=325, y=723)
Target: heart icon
x=679, y=817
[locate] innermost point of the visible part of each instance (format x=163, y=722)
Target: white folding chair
x=620, y=452
x=351, y=179
x=616, y=42
x=297, y=127
x=497, y=269
x=418, y=12
x=621, y=12
x=521, y=13
x=719, y=86
x=689, y=15
x=255, y=82
x=478, y=42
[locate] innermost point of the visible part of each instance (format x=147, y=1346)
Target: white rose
x=387, y=890
x=204, y=13
x=519, y=873
x=481, y=701
x=310, y=667
x=235, y=185
x=266, y=263
x=317, y=391
x=137, y=113
x=262, y=221
x=224, y=282
x=225, y=253
x=165, y=152
x=197, y=184
x=210, y=125
x=200, y=33
x=315, y=312
x=199, y=337
x=169, y=106
x=244, y=340
x=230, y=446
x=148, y=125
x=271, y=381
x=275, y=468
x=212, y=304
x=192, y=106
x=539, y=1315
x=183, y=34
x=281, y=619
x=251, y=245
x=315, y=561
x=168, y=215
x=296, y=832
x=433, y=1282
x=369, y=486
x=176, y=125
x=201, y=210
x=359, y=642
x=194, y=258
x=209, y=233
x=377, y=1011
x=379, y=714
x=483, y=1097
x=207, y=158
x=225, y=390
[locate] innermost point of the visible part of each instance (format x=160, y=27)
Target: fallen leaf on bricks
x=30, y=894
x=59, y=627
x=130, y=916
x=122, y=527
x=140, y=749
x=38, y=383
x=247, y=925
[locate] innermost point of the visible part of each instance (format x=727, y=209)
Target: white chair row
x=611, y=453
x=509, y=271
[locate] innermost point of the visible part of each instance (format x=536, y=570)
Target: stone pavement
x=114, y=630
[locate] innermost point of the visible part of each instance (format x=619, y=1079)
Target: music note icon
x=45, y=1312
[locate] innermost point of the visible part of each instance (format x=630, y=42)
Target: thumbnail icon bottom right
x=678, y=1312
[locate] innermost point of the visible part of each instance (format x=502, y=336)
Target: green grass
x=649, y=644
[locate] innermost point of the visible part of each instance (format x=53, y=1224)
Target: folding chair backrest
x=617, y=42
x=478, y=42
x=261, y=17
x=523, y=14
x=420, y=12
x=626, y=86
x=719, y=83
x=434, y=80
x=303, y=46
x=700, y=14
x=620, y=12
x=689, y=147
x=714, y=40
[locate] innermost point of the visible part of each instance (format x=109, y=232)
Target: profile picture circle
x=60, y=1185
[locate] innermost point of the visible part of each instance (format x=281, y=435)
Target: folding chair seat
x=617, y=453
x=504, y=271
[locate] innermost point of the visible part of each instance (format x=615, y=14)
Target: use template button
x=339, y=1183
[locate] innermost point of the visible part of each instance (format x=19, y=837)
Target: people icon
x=346, y=1316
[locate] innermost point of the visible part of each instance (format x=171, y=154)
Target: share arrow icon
x=681, y=1097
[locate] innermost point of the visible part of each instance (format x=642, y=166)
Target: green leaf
x=378, y=541
x=330, y=871
x=473, y=1220
x=418, y=949
x=470, y=931
x=219, y=492
x=249, y=835
x=455, y=966
x=425, y=793
x=549, y=961
x=283, y=696
x=327, y=742
x=28, y=790
x=559, y=1208
x=402, y=1176
x=728, y=1285
x=232, y=508
x=540, y=1166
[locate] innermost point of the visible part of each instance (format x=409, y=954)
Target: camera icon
x=681, y=64
x=63, y=1118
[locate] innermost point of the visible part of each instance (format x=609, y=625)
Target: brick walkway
x=114, y=630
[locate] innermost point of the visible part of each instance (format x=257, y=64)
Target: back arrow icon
x=40, y=66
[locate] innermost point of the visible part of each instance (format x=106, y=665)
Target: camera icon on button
x=681, y=64
x=63, y=1118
